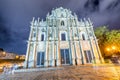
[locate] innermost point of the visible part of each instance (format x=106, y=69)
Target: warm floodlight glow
x=108, y=49
x=113, y=47
x=17, y=57
x=4, y=53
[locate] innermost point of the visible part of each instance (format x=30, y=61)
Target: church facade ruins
x=61, y=40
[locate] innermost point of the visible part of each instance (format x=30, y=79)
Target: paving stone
x=68, y=73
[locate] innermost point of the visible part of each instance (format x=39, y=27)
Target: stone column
x=46, y=54
x=27, y=55
x=34, y=32
x=53, y=45
x=36, y=44
x=58, y=55
x=102, y=60
x=90, y=42
x=74, y=60
x=46, y=47
x=80, y=47
x=69, y=40
x=99, y=59
x=28, y=46
x=53, y=53
x=34, y=52
x=98, y=51
x=96, y=43
x=73, y=53
x=58, y=45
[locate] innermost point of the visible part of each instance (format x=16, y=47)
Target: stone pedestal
x=73, y=61
x=78, y=61
x=58, y=62
x=46, y=63
x=97, y=61
x=30, y=64
x=53, y=62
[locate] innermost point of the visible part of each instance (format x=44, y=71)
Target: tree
x=108, y=40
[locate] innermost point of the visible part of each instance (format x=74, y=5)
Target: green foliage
x=100, y=31
x=113, y=37
x=107, y=39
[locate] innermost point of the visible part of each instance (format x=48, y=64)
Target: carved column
x=29, y=42
x=69, y=41
x=58, y=46
x=46, y=47
x=90, y=42
x=53, y=45
x=73, y=47
x=80, y=47
x=27, y=55
x=99, y=59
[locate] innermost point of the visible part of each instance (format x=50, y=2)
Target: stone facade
x=62, y=40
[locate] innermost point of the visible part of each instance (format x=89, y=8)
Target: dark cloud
x=4, y=32
x=15, y=17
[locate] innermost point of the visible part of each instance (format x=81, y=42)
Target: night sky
x=15, y=17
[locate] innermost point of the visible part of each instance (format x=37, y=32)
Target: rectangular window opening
x=63, y=37
x=42, y=37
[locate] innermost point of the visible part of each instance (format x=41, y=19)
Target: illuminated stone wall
x=60, y=40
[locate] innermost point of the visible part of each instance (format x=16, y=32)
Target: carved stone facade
x=62, y=40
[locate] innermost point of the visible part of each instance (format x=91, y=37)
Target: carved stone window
x=42, y=37
x=62, y=23
x=63, y=37
x=83, y=36
x=34, y=34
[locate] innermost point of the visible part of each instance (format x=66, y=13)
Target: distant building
x=12, y=56
x=1, y=52
x=22, y=57
x=62, y=40
x=8, y=56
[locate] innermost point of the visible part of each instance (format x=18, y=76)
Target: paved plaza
x=83, y=72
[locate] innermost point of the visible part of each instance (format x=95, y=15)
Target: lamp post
x=112, y=50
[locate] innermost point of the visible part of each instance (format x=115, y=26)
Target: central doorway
x=65, y=56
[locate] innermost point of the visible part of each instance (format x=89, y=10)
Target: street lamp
x=111, y=50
